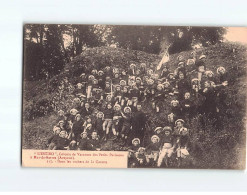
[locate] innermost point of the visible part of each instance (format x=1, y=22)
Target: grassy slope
x=36, y=132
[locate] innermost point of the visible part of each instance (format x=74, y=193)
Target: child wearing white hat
x=167, y=147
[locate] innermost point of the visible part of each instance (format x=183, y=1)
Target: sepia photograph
x=129, y=96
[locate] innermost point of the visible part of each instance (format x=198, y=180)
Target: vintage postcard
x=115, y=96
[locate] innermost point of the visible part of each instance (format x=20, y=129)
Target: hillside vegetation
x=37, y=125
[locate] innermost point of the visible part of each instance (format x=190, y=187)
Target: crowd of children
x=108, y=106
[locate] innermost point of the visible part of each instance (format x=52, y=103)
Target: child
x=94, y=72
x=179, y=126
x=180, y=68
x=127, y=119
x=95, y=143
x=88, y=126
x=195, y=84
x=98, y=124
x=59, y=125
x=95, y=85
x=141, y=157
x=83, y=78
x=143, y=68
x=116, y=119
x=158, y=98
x=223, y=77
x=134, y=96
x=90, y=86
x=148, y=91
x=167, y=89
x=152, y=150
x=171, y=79
x=132, y=151
x=124, y=76
x=159, y=132
x=182, y=85
x=97, y=97
x=80, y=90
x=167, y=147
x=108, y=71
x=164, y=73
x=138, y=72
x=118, y=94
x=52, y=141
x=125, y=96
x=77, y=127
x=123, y=83
x=73, y=112
x=152, y=98
x=201, y=67
x=60, y=115
x=116, y=79
x=138, y=81
x=175, y=111
x=132, y=69
x=108, y=89
x=210, y=76
x=86, y=110
x=62, y=142
x=182, y=142
x=108, y=116
x=187, y=106
x=135, y=145
x=101, y=79
x=180, y=58
x=76, y=103
x=191, y=61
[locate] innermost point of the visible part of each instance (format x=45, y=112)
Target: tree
x=83, y=36
x=151, y=38
x=44, y=51
x=48, y=47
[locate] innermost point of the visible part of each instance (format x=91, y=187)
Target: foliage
x=48, y=47
x=151, y=38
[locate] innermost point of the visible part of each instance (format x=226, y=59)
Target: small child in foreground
x=167, y=147
x=62, y=141
x=152, y=150
x=133, y=150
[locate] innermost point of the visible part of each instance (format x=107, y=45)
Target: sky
x=238, y=34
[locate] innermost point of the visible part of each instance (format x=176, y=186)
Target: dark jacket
x=95, y=143
x=108, y=114
x=84, y=144
x=61, y=143
x=77, y=127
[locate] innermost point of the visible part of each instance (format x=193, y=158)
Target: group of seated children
x=107, y=104
x=165, y=143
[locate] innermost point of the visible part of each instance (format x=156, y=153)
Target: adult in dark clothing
x=209, y=105
x=139, y=121
x=222, y=79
